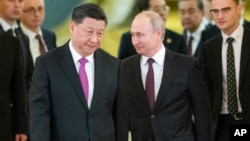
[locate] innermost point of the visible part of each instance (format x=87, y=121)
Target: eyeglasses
x=223, y=11
x=32, y=10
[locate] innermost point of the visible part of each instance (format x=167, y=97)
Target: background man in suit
x=191, y=14
x=158, y=107
x=31, y=19
x=10, y=11
x=64, y=107
x=13, y=111
x=214, y=30
x=172, y=40
x=207, y=18
x=215, y=61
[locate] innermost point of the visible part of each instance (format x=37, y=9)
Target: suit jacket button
x=152, y=116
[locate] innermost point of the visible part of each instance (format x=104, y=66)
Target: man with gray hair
x=159, y=90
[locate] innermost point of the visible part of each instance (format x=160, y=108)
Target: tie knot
x=230, y=40
x=38, y=36
x=10, y=31
x=83, y=61
x=191, y=38
x=150, y=61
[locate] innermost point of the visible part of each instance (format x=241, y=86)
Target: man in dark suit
x=65, y=106
x=214, y=30
x=13, y=102
x=172, y=40
x=156, y=99
x=191, y=14
x=31, y=19
x=226, y=63
x=9, y=14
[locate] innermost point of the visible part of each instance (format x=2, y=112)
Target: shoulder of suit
x=46, y=31
x=105, y=55
x=172, y=34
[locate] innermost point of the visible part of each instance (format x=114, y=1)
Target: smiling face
x=10, y=10
x=226, y=15
x=87, y=35
x=146, y=39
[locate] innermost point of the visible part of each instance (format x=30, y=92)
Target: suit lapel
x=244, y=56
x=168, y=75
x=99, y=81
x=68, y=67
x=218, y=59
x=135, y=75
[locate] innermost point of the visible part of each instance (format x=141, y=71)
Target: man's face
x=226, y=15
x=190, y=15
x=33, y=13
x=207, y=7
x=160, y=7
x=144, y=38
x=87, y=36
x=10, y=10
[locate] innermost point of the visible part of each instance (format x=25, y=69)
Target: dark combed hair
x=199, y=4
x=90, y=10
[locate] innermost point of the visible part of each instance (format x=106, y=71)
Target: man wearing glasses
x=226, y=65
x=40, y=39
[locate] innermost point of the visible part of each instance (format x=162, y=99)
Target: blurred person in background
x=32, y=17
x=13, y=98
x=191, y=14
x=10, y=11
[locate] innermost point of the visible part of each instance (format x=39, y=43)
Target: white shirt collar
x=158, y=57
x=30, y=33
x=237, y=34
x=6, y=26
x=76, y=56
x=197, y=33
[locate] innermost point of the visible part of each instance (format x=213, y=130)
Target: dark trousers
x=223, y=126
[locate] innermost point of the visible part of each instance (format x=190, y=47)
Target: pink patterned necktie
x=84, y=78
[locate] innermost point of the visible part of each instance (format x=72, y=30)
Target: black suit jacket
x=211, y=61
x=26, y=58
x=58, y=109
x=172, y=41
x=49, y=39
x=182, y=90
x=13, y=102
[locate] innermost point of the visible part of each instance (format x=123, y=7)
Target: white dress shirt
x=196, y=37
x=33, y=42
x=6, y=26
x=89, y=66
x=237, y=45
x=158, y=66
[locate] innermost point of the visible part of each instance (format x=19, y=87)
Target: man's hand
x=21, y=137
